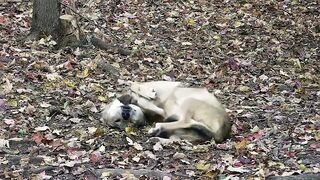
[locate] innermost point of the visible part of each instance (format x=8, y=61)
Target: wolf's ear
x=126, y=99
x=143, y=90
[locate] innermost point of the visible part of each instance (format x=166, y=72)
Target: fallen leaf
x=191, y=22
x=200, y=149
x=178, y=155
x=95, y=157
x=9, y=122
x=238, y=24
x=67, y=17
x=243, y=88
x=137, y=146
x=302, y=167
x=313, y=146
x=136, y=159
x=129, y=130
x=202, y=166
x=37, y=137
x=150, y=155
x=237, y=169
x=157, y=146
x=7, y=87
x=45, y=104
x=186, y=44
x=43, y=175
x=130, y=142
x=92, y=130
x=4, y=143
x=41, y=128
x=75, y=120
x=13, y=103
x=2, y=20
x=105, y=174
x=240, y=146
x=83, y=74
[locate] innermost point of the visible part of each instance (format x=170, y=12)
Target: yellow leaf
x=102, y=98
x=216, y=37
x=105, y=174
x=95, y=87
x=37, y=65
x=238, y=24
x=317, y=136
x=78, y=133
x=128, y=130
x=174, y=14
x=69, y=83
x=200, y=149
x=92, y=65
x=302, y=167
x=301, y=90
x=202, y=166
x=49, y=85
x=236, y=43
x=243, y=88
x=99, y=132
x=191, y=22
x=241, y=145
x=116, y=65
x=296, y=63
x=212, y=174
x=13, y=103
x=84, y=73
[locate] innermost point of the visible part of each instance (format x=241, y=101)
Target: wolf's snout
x=125, y=112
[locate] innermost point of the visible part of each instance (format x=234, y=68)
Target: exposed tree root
x=140, y=172
x=296, y=177
x=105, y=46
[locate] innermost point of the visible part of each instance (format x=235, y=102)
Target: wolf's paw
x=161, y=112
x=155, y=131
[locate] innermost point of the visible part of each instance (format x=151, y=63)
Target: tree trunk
x=45, y=20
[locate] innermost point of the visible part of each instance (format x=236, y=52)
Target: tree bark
x=45, y=20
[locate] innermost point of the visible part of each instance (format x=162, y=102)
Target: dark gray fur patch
x=126, y=99
x=171, y=118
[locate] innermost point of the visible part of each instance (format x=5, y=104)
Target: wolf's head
x=121, y=114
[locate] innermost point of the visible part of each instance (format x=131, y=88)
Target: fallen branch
x=140, y=172
x=105, y=46
x=91, y=21
x=41, y=169
x=9, y=1
x=296, y=177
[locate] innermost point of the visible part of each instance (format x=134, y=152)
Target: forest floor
x=260, y=58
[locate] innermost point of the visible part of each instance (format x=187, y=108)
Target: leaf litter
x=260, y=58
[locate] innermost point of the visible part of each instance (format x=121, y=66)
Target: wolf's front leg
x=149, y=106
x=170, y=126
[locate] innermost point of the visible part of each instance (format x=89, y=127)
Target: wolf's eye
x=117, y=120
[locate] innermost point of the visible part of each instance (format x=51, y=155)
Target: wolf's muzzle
x=125, y=112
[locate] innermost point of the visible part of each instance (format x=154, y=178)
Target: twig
x=10, y=1
x=73, y=10
x=8, y=151
x=140, y=172
x=93, y=171
x=103, y=45
x=41, y=169
x=296, y=177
